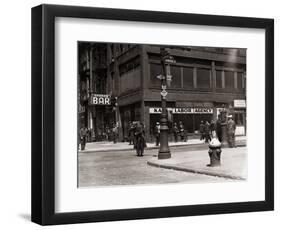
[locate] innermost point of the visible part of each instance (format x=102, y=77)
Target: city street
x=125, y=168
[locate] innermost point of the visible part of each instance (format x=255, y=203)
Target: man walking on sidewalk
x=175, y=132
x=201, y=130
x=231, y=126
x=157, y=133
x=83, y=135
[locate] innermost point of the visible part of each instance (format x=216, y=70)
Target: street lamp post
x=164, y=151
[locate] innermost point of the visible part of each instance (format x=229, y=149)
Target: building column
x=235, y=80
x=195, y=77
x=223, y=79
x=214, y=86
x=144, y=85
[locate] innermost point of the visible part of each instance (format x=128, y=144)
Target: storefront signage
x=183, y=110
x=100, y=99
x=239, y=103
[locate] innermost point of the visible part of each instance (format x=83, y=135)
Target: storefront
x=191, y=117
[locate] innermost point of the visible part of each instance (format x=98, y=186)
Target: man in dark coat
x=83, y=135
x=131, y=133
x=218, y=128
x=201, y=130
x=115, y=133
x=231, y=126
x=207, y=132
x=140, y=139
x=175, y=132
x=181, y=131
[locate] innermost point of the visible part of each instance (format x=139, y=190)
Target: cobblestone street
x=125, y=168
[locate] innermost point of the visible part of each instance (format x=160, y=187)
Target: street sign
x=164, y=93
x=170, y=60
x=160, y=77
x=169, y=77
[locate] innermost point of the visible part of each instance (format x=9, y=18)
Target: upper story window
x=188, y=77
x=203, y=78
x=176, y=76
x=155, y=70
x=229, y=79
x=218, y=79
x=239, y=80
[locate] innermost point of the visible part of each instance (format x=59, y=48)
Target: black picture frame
x=43, y=113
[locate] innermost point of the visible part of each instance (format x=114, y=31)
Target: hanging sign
x=100, y=99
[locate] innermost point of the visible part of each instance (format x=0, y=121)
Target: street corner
x=233, y=163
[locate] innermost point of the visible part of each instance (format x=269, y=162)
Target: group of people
x=209, y=130
x=179, y=131
x=136, y=133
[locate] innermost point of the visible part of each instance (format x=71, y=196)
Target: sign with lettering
x=183, y=110
x=100, y=99
x=239, y=103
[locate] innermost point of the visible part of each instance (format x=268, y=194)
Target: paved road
x=125, y=168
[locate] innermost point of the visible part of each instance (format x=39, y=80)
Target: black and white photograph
x=150, y=114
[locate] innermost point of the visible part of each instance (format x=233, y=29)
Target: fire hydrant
x=214, y=152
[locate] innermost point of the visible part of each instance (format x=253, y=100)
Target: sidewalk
x=121, y=146
x=233, y=163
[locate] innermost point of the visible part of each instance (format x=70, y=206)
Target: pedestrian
x=157, y=133
x=181, y=131
x=207, y=132
x=212, y=128
x=175, y=131
x=131, y=133
x=83, y=136
x=115, y=133
x=219, y=128
x=201, y=130
x=231, y=126
x=140, y=139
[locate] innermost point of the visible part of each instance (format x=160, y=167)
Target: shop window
x=239, y=80
x=188, y=77
x=238, y=118
x=203, y=78
x=176, y=77
x=155, y=70
x=229, y=79
x=218, y=79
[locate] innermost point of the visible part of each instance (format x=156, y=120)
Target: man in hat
x=175, y=131
x=181, y=131
x=201, y=130
x=157, y=133
x=207, y=132
x=231, y=126
x=83, y=135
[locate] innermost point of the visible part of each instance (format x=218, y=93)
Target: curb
x=126, y=149
x=178, y=168
x=239, y=144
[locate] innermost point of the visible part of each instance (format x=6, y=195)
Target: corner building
x=204, y=80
